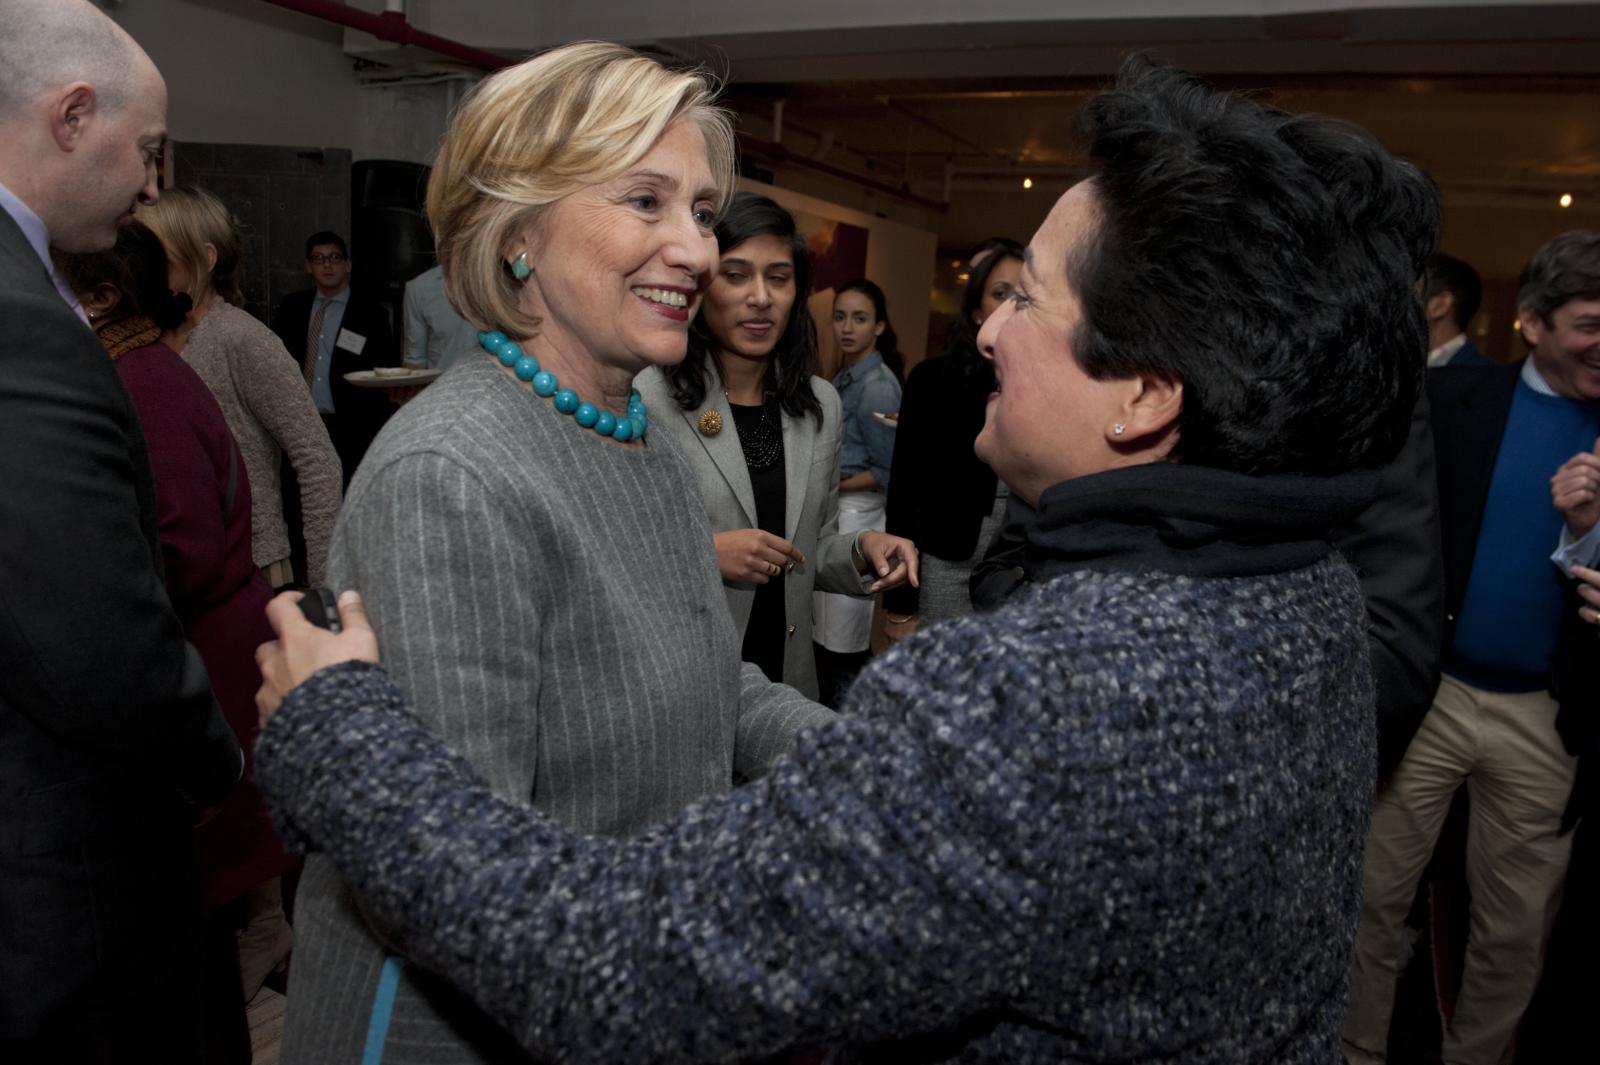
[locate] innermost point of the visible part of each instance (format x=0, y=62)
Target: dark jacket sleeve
x=679, y=946
x=1575, y=685
x=381, y=343
x=1395, y=546
x=1000, y=571
x=290, y=323
x=368, y=318
x=93, y=654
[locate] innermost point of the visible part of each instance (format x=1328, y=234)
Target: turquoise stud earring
x=520, y=268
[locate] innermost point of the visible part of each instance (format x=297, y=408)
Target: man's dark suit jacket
x=1471, y=406
x=1469, y=354
x=110, y=740
x=358, y=412
x=1394, y=546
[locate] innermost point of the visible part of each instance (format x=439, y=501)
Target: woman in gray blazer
x=762, y=433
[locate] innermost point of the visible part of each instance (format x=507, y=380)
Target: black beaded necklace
x=760, y=432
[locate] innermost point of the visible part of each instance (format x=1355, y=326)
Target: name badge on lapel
x=351, y=342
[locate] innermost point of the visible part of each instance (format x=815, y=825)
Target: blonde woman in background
x=258, y=384
x=531, y=548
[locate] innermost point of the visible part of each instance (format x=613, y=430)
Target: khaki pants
x=1518, y=777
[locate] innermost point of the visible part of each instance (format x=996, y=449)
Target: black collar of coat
x=1191, y=520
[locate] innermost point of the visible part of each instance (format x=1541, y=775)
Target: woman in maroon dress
x=203, y=512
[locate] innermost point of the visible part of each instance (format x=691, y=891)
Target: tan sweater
x=268, y=407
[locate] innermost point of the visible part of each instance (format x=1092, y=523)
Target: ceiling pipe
x=392, y=26
x=777, y=153
x=943, y=131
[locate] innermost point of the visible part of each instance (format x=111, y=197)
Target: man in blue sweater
x=1506, y=436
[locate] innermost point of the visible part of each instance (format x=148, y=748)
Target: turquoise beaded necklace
x=630, y=426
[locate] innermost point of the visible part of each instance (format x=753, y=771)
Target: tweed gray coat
x=1119, y=819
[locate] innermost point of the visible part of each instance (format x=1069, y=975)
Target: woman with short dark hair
x=1119, y=818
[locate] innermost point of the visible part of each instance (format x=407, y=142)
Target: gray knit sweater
x=268, y=408
x=1119, y=819
x=551, y=600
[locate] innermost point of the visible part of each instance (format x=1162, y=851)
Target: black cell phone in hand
x=321, y=608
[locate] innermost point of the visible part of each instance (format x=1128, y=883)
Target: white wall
x=899, y=258
x=244, y=72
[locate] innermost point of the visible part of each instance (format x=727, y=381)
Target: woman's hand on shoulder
x=754, y=556
x=893, y=558
x=302, y=648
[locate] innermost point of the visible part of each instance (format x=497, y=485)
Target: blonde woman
x=533, y=552
x=257, y=383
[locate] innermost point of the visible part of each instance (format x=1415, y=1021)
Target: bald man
x=110, y=741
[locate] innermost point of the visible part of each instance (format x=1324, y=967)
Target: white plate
x=884, y=419
x=405, y=378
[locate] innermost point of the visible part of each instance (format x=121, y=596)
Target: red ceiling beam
x=392, y=26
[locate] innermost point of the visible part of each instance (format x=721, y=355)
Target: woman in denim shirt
x=868, y=384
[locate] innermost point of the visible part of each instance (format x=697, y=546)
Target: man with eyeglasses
x=334, y=331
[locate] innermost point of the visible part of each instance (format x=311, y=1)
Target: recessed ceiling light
x=1027, y=182
x=1566, y=199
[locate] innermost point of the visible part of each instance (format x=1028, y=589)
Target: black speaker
x=389, y=240
x=388, y=183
